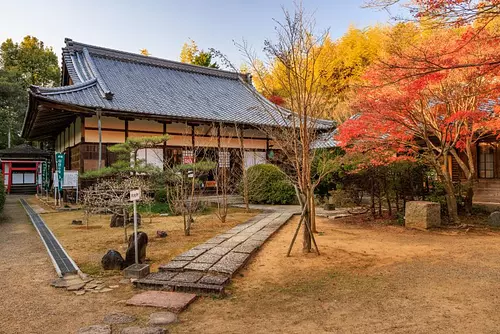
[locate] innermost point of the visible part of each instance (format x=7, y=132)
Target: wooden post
x=99, y=130
x=164, y=145
x=82, y=143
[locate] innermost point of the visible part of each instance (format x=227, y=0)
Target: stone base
x=422, y=215
x=136, y=271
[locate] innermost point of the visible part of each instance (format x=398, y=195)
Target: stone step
x=186, y=281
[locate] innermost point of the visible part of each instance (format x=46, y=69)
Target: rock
x=144, y=330
x=494, y=219
x=112, y=260
x=118, y=318
x=172, y=301
x=59, y=283
x=142, y=242
x=79, y=292
x=131, y=219
x=95, y=329
x=114, y=286
x=329, y=207
x=116, y=220
x=422, y=214
x=162, y=318
x=90, y=286
x=77, y=222
x=98, y=282
x=164, y=215
x=75, y=287
x=161, y=234
x=106, y=290
x=124, y=281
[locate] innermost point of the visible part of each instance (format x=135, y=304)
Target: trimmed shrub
x=268, y=185
x=161, y=195
x=2, y=195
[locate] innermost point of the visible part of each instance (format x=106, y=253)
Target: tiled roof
x=23, y=151
x=126, y=82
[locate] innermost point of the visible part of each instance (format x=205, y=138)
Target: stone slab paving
x=208, y=267
x=171, y=301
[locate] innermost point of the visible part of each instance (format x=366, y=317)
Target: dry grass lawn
x=370, y=278
x=87, y=245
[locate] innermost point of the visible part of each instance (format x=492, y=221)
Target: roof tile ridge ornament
x=38, y=90
x=108, y=95
x=149, y=60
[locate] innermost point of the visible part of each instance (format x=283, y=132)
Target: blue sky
x=163, y=26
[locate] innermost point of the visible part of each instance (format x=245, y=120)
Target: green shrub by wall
x=268, y=185
x=161, y=195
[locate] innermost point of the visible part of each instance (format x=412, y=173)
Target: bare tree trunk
x=387, y=197
x=313, y=213
x=125, y=221
x=307, y=245
x=372, y=197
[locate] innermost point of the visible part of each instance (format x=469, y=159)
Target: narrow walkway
x=62, y=262
x=208, y=267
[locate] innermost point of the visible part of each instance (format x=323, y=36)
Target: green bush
x=161, y=195
x=2, y=195
x=268, y=185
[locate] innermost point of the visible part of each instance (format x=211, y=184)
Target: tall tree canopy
x=22, y=64
x=191, y=54
x=342, y=64
x=432, y=115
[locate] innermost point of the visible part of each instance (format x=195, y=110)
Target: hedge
x=268, y=185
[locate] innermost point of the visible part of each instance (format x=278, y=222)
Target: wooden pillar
x=99, y=130
x=82, y=143
x=267, y=147
x=164, y=145
x=126, y=129
x=192, y=136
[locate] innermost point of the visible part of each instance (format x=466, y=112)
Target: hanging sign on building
x=187, y=157
x=224, y=159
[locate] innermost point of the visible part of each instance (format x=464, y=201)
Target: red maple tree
x=413, y=109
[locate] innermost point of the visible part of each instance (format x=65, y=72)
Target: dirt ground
x=369, y=279
x=28, y=303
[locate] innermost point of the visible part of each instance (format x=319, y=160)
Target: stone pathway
x=208, y=267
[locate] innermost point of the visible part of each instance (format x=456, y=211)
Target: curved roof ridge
x=107, y=94
x=63, y=89
x=149, y=60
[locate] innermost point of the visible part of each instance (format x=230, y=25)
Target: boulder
x=161, y=234
x=117, y=220
x=113, y=260
x=142, y=242
x=422, y=214
x=494, y=219
x=131, y=219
